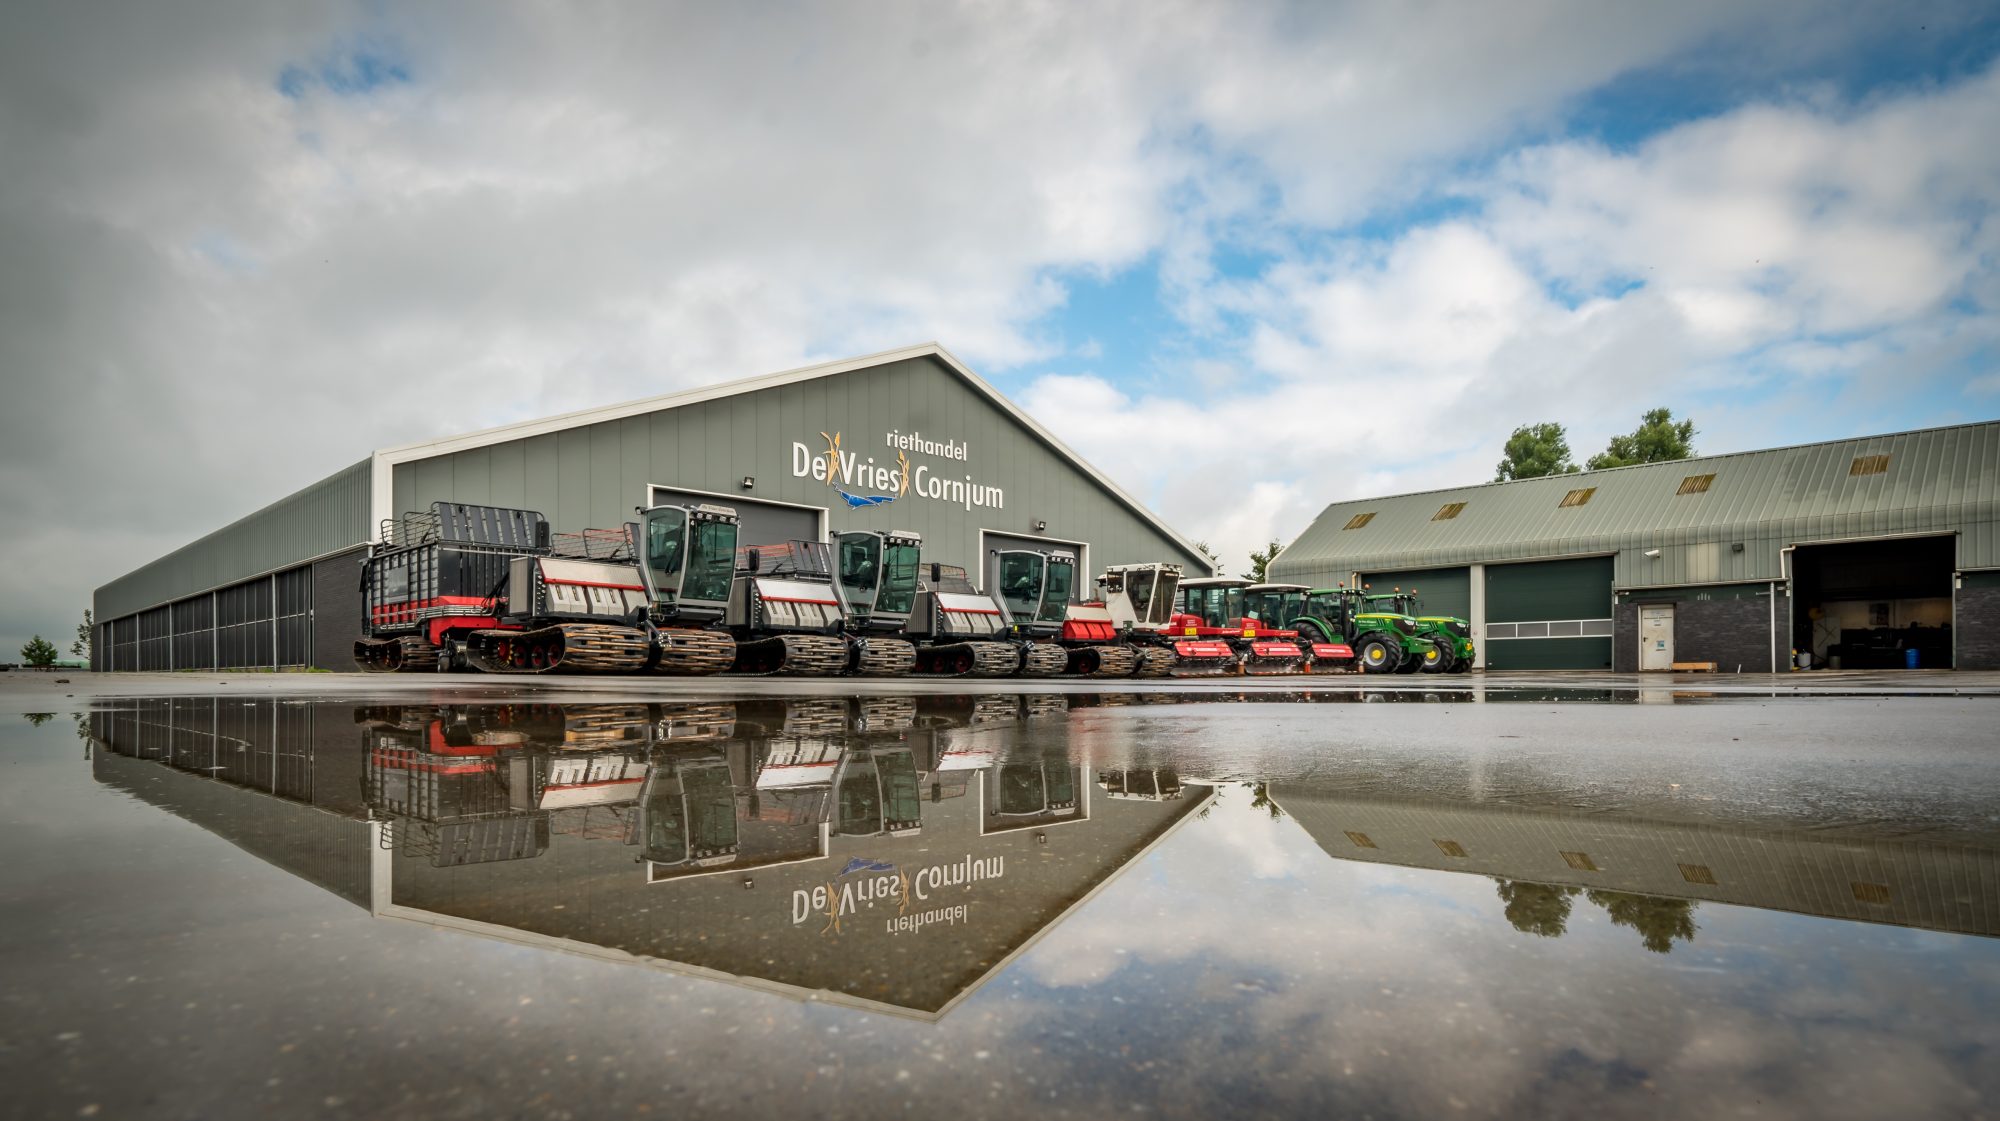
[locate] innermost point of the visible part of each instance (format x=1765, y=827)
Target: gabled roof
x=1930, y=479
x=388, y=457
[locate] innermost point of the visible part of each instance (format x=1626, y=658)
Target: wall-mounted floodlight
x=1040, y=526
x=1652, y=552
x=749, y=481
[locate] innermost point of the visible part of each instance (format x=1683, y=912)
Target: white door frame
x=732, y=500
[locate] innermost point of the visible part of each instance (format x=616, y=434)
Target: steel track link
x=1154, y=661
x=687, y=652
x=885, y=657
x=1044, y=659
x=1112, y=661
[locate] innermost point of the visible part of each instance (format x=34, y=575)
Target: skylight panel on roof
x=1695, y=484
x=1869, y=465
x=1448, y=511
x=1359, y=520
x=1576, y=497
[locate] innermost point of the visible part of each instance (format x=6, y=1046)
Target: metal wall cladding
x=593, y=476
x=1942, y=480
x=325, y=516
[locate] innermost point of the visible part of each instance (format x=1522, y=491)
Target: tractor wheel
x=1461, y=665
x=1309, y=633
x=1436, y=660
x=1377, y=656
x=1412, y=661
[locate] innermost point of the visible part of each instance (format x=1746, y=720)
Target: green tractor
x=1383, y=640
x=1450, y=636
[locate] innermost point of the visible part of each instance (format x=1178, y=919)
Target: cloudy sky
x=1247, y=258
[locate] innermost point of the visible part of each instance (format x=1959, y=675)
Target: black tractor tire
x=1437, y=660
x=1376, y=656
x=1461, y=665
x=1412, y=661
x=1310, y=633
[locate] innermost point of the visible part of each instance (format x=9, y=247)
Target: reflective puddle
x=1078, y=905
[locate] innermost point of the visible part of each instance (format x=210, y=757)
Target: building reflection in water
x=891, y=852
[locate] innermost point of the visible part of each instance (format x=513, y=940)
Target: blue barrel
x=1910, y=658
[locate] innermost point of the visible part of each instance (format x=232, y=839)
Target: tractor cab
x=877, y=578
x=1034, y=588
x=1140, y=596
x=687, y=813
x=1221, y=608
x=687, y=558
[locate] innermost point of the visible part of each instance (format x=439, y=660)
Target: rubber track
x=1044, y=659
x=687, y=651
x=1111, y=661
x=407, y=654
x=989, y=659
x=804, y=655
x=885, y=657
x=1154, y=661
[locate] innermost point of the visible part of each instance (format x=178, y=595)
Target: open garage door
x=1874, y=604
x=992, y=543
x=1549, y=615
x=758, y=522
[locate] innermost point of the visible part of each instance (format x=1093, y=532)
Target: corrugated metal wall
x=593, y=476
x=1940, y=480
x=325, y=516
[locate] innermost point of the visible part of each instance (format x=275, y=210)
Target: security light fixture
x=749, y=481
x=1652, y=552
x=1040, y=525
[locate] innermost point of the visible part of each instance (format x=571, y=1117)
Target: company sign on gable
x=853, y=475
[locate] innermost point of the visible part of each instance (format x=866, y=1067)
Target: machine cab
x=1140, y=596
x=878, y=577
x=1033, y=587
x=1215, y=601
x=1275, y=606
x=687, y=557
x=878, y=792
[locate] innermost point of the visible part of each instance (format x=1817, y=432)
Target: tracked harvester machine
x=490, y=588
x=878, y=593
x=1214, y=610
x=1033, y=589
x=1139, y=601
x=784, y=611
x=957, y=629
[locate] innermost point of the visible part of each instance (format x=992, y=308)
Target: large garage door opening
x=758, y=522
x=1872, y=604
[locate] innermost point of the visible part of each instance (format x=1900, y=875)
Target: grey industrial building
x=1861, y=553
x=925, y=445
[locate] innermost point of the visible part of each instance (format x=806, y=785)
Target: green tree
x=1261, y=561
x=1535, y=450
x=1660, y=921
x=39, y=652
x=1656, y=440
x=39, y=718
x=81, y=647
x=1541, y=909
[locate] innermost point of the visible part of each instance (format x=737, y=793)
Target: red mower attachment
x=1328, y=657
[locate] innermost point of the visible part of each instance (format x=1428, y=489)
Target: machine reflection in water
x=896, y=852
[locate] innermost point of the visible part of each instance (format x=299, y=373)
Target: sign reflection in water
x=896, y=852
